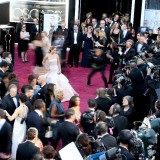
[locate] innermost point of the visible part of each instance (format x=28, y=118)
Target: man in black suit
x=5, y=136
x=28, y=150
x=106, y=29
x=27, y=89
x=125, y=34
x=10, y=102
x=75, y=44
x=120, y=122
x=18, y=30
x=108, y=140
x=36, y=119
x=63, y=33
x=138, y=79
x=127, y=54
x=4, y=66
x=34, y=29
x=124, y=139
x=103, y=102
x=94, y=23
x=42, y=92
x=140, y=45
x=68, y=131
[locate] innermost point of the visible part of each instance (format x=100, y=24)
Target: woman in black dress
x=115, y=33
x=24, y=38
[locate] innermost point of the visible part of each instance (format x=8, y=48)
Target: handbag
x=49, y=133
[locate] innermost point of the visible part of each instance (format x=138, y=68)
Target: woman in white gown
x=19, y=127
x=52, y=63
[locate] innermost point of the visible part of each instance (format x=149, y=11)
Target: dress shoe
x=26, y=61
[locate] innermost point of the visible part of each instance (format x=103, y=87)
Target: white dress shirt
x=75, y=37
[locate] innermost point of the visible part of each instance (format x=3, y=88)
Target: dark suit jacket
x=144, y=47
x=127, y=154
x=2, y=74
x=68, y=132
x=42, y=93
x=8, y=104
x=33, y=31
x=79, y=39
x=34, y=120
x=137, y=79
x=26, y=151
x=109, y=141
x=6, y=138
x=129, y=55
x=120, y=123
x=127, y=36
x=107, y=32
x=18, y=30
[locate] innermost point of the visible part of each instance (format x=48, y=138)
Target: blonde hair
x=52, y=47
x=102, y=34
x=58, y=92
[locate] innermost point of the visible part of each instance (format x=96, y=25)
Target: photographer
x=103, y=136
x=152, y=85
x=98, y=65
x=127, y=54
x=87, y=117
x=124, y=140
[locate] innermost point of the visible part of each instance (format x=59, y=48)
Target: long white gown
x=19, y=132
x=59, y=79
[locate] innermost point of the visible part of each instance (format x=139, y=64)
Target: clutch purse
x=49, y=133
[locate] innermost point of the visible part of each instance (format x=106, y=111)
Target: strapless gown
x=59, y=79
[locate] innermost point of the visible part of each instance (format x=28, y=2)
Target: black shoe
x=88, y=85
x=26, y=61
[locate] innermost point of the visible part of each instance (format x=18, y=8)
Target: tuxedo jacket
x=79, y=39
x=127, y=36
x=2, y=74
x=126, y=153
x=144, y=47
x=26, y=151
x=42, y=93
x=33, y=31
x=128, y=55
x=68, y=132
x=34, y=120
x=107, y=32
x=109, y=141
x=6, y=138
x=18, y=30
x=63, y=32
x=8, y=104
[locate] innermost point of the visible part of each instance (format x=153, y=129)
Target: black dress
x=24, y=45
x=115, y=37
x=86, y=56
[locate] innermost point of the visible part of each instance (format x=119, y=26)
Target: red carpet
x=77, y=78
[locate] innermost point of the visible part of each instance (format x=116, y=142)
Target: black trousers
x=112, y=68
x=102, y=71
x=74, y=55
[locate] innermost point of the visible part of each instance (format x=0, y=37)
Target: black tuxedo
x=74, y=48
x=126, y=37
x=26, y=151
x=65, y=33
x=2, y=74
x=9, y=105
x=33, y=31
x=104, y=104
x=126, y=153
x=109, y=141
x=6, y=138
x=144, y=47
x=126, y=56
x=107, y=32
x=18, y=30
x=34, y=120
x=42, y=93
x=68, y=132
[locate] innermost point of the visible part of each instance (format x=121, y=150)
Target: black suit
x=26, y=151
x=6, y=138
x=109, y=141
x=9, y=105
x=33, y=32
x=74, y=48
x=126, y=37
x=18, y=30
x=126, y=153
x=2, y=74
x=120, y=123
x=68, y=132
x=65, y=33
x=42, y=93
x=34, y=120
x=107, y=32
x=104, y=104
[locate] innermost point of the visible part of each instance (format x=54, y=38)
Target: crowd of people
x=33, y=119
